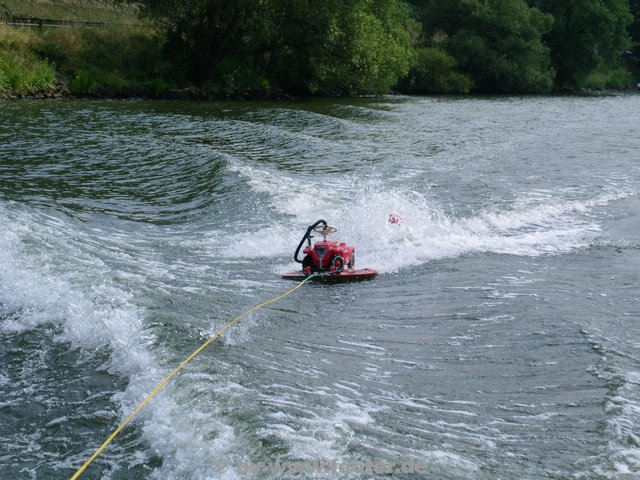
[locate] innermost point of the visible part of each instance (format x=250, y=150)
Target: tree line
x=355, y=47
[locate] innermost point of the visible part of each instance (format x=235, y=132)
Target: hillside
x=101, y=11
x=64, y=57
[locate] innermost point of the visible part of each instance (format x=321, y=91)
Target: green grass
x=123, y=55
x=21, y=70
x=89, y=61
x=24, y=75
x=103, y=11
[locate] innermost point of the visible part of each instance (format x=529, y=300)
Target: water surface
x=501, y=339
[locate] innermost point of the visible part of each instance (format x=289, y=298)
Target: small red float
x=394, y=218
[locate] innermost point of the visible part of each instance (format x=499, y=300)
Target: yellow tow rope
x=177, y=369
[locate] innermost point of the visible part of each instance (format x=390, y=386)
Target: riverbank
x=66, y=12
x=129, y=62
x=81, y=62
x=57, y=91
x=144, y=93
x=106, y=62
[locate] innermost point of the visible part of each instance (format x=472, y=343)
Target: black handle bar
x=307, y=237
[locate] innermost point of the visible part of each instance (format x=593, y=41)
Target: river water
x=501, y=339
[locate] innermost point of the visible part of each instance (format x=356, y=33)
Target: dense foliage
x=346, y=47
x=304, y=46
x=81, y=61
x=585, y=34
x=497, y=43
x=632, y=56
x=340, y=47
x=21, y=71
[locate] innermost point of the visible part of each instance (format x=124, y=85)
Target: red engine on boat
x=327, y=260
x=328, y=256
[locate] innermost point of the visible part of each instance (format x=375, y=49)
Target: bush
x=616, y=79
x=23, y=75
x=60, y=46
x=435, y=71
x=92, y=81
x=237, y=76
x=134, y=53
x=21, y=71
x=94, y=61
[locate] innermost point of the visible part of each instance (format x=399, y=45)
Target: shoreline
x=134, y=92
x=143, y=92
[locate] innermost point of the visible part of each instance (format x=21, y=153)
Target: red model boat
x=327, y=261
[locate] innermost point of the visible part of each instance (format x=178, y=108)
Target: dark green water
x=500, y=341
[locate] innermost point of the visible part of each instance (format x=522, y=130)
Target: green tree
x=338, y=47
x=497, y=43
x=364, y=49
x=585, y=34
x=198, y=32
x=435, y=71
x=634, y=31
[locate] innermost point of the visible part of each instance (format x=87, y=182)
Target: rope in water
x=180, y=367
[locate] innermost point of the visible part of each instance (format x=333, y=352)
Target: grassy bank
x=22, y=71
x=119, y=58
x=105, y=62
x=109, y=61
x=71, y=11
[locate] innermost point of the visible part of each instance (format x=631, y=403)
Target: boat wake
x=533, y=224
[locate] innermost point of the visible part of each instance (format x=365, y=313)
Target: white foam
x=534, y=225
x=93, y=312
x=325, y=435
x=623, y=411
x=191, y=433
x=39, y=284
